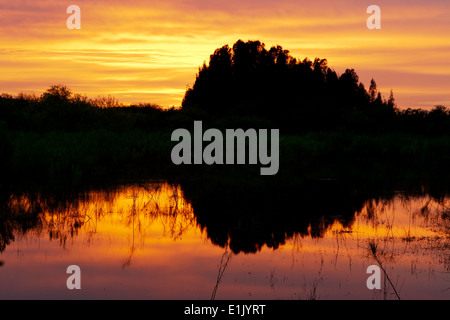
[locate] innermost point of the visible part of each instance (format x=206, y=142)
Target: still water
x=144, y=241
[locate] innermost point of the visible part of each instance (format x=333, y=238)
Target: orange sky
x=149, y=51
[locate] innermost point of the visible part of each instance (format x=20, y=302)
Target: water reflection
x=165, y=241
x=125, y=209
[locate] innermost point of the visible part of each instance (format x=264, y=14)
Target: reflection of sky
x=148, y=51
x=140, y=255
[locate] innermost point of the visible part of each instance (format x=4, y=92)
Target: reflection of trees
x=32, y=212
x=248, y=218
x=433, y=209
x=242, y=218
x=18, y=215
x=64, y=216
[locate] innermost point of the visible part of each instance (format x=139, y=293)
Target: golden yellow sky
x=149, y=51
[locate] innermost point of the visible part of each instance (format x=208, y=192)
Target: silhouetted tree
x=57, y=94
x=373, y=90
x=250, y=80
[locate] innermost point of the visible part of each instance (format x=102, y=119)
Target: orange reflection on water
x=143, y=242
x=411, y=240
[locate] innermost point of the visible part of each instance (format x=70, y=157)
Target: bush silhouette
x=57, y=94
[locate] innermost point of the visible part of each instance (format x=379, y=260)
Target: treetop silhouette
x=248, y=79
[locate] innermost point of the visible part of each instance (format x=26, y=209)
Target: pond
x=151, y=241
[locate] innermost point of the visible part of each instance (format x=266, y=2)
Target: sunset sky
x=150, y=51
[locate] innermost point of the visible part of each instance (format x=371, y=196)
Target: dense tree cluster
x=248, y=79
x=326, y=120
